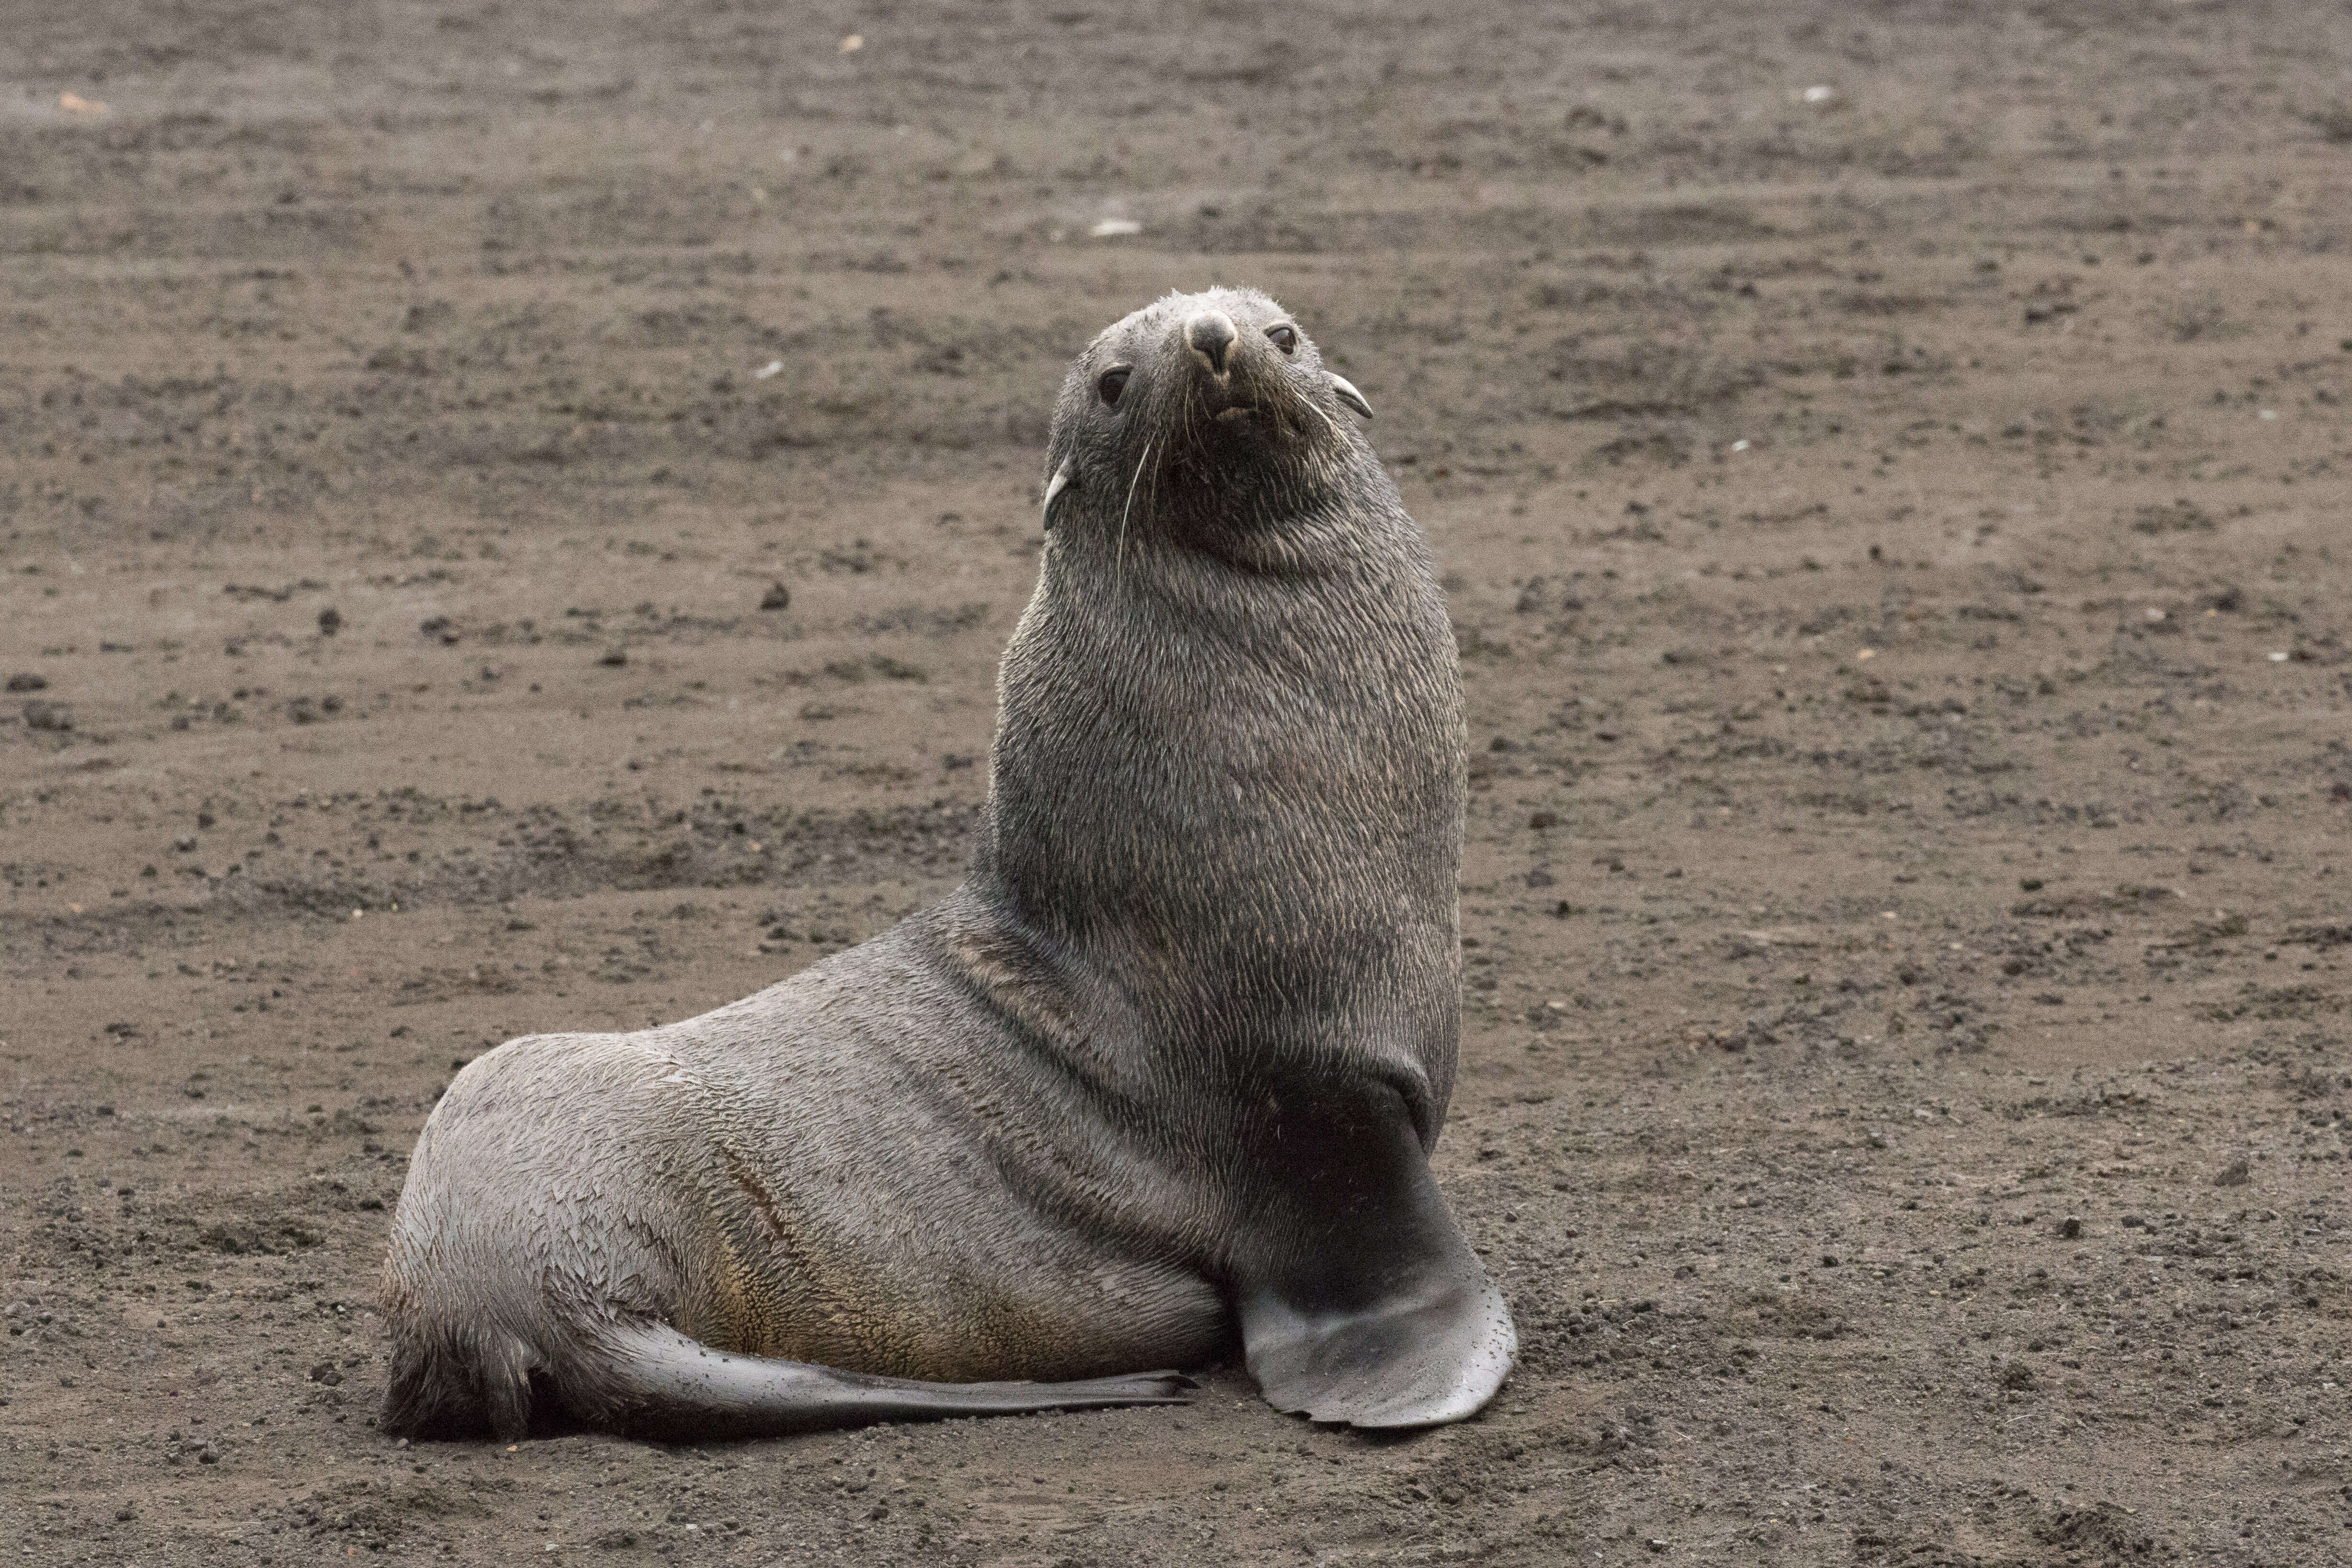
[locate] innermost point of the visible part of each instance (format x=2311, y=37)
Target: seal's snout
x=1211, y=335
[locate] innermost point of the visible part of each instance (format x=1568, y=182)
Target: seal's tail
x=650, y=1380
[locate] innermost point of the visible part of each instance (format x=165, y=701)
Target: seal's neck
x=1236, y=795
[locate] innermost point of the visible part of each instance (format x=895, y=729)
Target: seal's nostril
x=1211, y=334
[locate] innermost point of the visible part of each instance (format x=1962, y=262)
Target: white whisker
x=1119, y=563
x=1326, y=419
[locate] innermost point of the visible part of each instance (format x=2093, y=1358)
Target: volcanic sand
x=1889, y=469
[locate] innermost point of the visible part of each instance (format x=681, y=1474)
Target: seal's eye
x=1286, y=338
x=1113, y=382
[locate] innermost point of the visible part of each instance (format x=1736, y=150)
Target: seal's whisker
x=1151, y=501
x=1326, y=419
x=1119, y=563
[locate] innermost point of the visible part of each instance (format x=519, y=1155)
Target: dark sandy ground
x=1898, y=539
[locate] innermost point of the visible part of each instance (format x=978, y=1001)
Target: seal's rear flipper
x=656, y=1381
x=456, y=1380
x=1361, y=1299
x=1433, y=1352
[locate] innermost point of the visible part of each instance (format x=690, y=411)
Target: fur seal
x=1164, y=1072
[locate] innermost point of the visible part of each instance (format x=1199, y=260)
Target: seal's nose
x=1211, y=335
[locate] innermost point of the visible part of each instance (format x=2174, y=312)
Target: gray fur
x=1162, y=1074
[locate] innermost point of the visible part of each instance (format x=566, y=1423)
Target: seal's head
x=1217, y=397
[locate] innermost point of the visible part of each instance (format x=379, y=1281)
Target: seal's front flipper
x=1362, y=1300
x=1433, y=1353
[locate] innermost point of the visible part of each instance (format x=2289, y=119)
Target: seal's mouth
x=1246, y=403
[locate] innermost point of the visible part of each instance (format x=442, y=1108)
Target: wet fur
x=1161, y=1076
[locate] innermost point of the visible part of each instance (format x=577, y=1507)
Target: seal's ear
x=1349, y=394
x=1054, y=487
